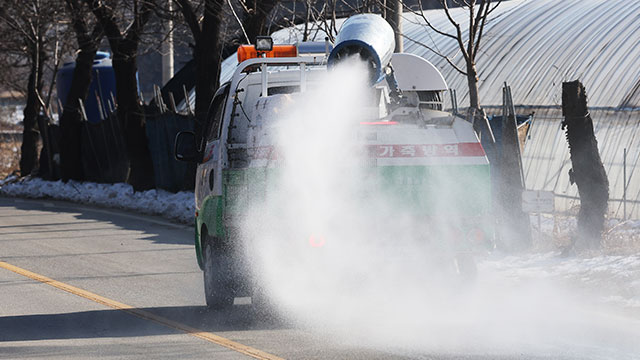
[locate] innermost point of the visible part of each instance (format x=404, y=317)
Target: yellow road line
x=219, y=340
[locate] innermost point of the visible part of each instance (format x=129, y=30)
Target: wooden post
x=515, y=226
x=587, y=169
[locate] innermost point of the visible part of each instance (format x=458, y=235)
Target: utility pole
x=394, y=18
x=167, y=48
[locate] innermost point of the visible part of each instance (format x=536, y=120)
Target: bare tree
x=478, y=13
x=30, y=38
x=204, y=18
x=123, y=23
x=14, y=65
x=256, y=17
x=317, y=17
x=326, y=18
x=88, y=41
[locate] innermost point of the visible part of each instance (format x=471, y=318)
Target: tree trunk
x=207, y=57
x=587, y=169
x=30, y=133
x=131, y=115
x=472, y=80
x=130, y=112
x=477, y=114
x=71, y=120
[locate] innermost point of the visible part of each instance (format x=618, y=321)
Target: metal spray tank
x=370, y=37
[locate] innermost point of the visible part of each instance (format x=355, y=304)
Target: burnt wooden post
x=587, y=169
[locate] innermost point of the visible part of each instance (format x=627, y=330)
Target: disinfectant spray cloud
x=334, y=252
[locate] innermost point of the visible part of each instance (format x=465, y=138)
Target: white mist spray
x=334, y=253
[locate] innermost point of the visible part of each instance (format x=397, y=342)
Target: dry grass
x=619, y=237
x=9, y=149
x=622, y=237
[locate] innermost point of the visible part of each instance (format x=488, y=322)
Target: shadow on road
x=154, y=228
x=117, y=323
x=70, y=220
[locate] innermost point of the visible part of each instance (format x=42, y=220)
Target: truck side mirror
x=185, y=146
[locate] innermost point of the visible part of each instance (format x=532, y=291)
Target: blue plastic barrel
x=103, y=84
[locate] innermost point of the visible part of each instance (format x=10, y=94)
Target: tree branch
x=472, y=28
x=484, y=19
x=493, y=8
x=458, y=31
x=478, y=20
x=13, y=24
x=107, y=19
x=143, y=14
x=189, y=16
x=424, y=17
x=78, y=23
x=437, y=53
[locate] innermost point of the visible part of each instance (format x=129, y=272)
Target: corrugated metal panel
x=534, y=46
x=228, y=67
x=632, y=100
x=547, y=162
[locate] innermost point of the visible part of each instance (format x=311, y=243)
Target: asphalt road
x=78, y=283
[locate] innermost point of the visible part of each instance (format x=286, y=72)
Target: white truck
x=408, y=137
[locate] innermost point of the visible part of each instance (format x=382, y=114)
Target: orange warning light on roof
x=246, y=52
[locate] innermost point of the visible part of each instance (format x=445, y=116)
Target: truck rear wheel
x=219, y=279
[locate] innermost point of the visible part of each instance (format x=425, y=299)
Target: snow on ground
x=610, y=279
x=612, y=274
x=179, y=206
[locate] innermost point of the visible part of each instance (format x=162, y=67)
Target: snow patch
x=607, y=279
x=11, y=114
x=179, y=206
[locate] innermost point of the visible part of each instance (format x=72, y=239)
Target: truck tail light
x=317, y=241
x=475, y=235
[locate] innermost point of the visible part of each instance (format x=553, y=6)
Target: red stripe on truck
x=425, y=150
x=395, y=151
